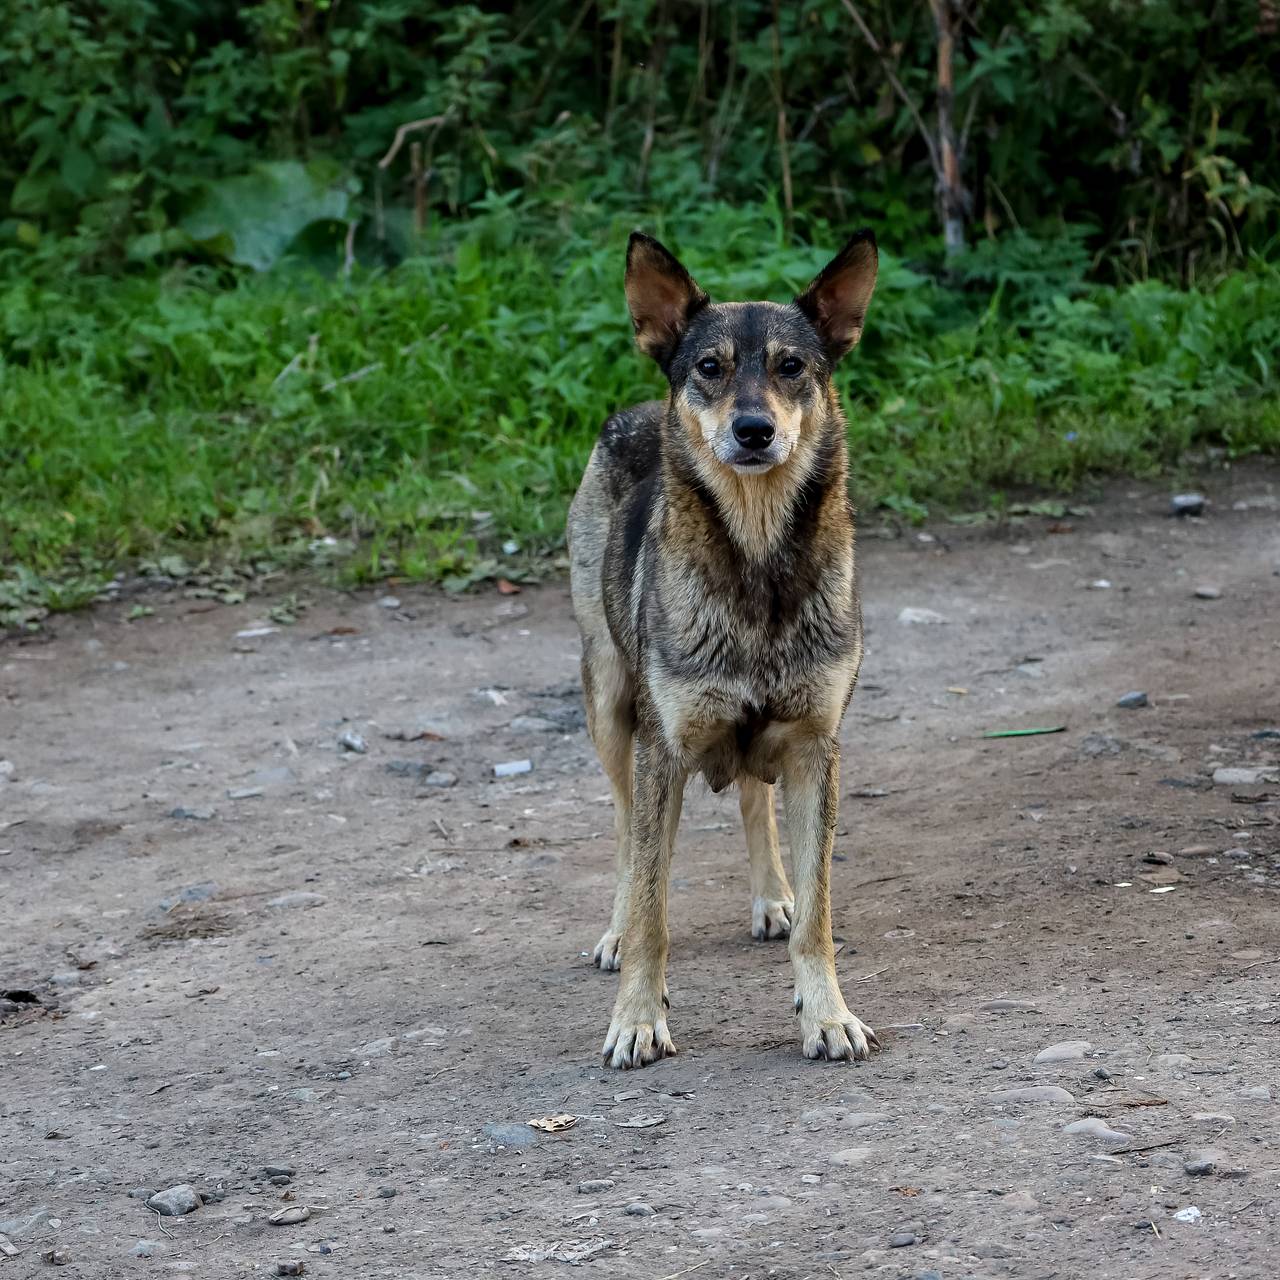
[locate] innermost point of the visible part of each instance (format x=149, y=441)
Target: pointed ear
x=836, y=302
x=662, y=296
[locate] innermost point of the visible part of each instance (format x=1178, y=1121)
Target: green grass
x=428, y=414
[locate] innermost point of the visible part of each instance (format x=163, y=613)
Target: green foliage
x=430, y=413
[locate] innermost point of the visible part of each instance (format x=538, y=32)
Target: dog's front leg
x=638, y=1033
x=811, y=782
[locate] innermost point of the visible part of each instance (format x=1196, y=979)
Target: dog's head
x=750, y=381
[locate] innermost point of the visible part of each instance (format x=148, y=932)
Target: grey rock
x=193, y=815
x=1064, y=1051
x=386, y=1193
x=533, y=724
x=173, y=1202
x=280, y=1180
x=244, y=793
x=407, y=768
x=594, y=1186
x=851, y=1156
x=638, y=1209
x=147, y=1248
x=511, y=1135
x=440, y=778
x=142, y=1193
x=1244, y=777
x=903, y=1239
x=389, y=602
x=511, y=768
x=1094, y=1127
x=1008, y=1006
x=1000, y=1064
x=19, y=1227
x=912, y=617
x=1100, y=744
x=1200, y=1164
x=866, y=1119
x=303, y=1095
x=1208, y=593
x=290, y=901
x=1132, y=700
x=1036, y=1093
x=1187, y=504
x=350, y=740
x=1101, y=1073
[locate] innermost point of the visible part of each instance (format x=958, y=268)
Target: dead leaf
x=553, y=1124
x=508, y=588
x=906, y=1191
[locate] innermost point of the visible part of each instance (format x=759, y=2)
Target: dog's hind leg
x=811, y=781
x=772, y=902
x=638, y=1032
x=611, y=722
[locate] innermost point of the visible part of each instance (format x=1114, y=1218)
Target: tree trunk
x=951, y=192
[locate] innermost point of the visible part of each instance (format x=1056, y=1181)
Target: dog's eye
x=709, y=368
x=791, y=367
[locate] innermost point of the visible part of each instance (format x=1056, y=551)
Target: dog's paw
x=837, y=1038
x=608, y=953
x=771, y=918
x=636, y=1044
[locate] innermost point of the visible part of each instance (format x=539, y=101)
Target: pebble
x=193, y=815
x=142, y=1193
x=910, y=617
x=1257, y=1092
x=173, y=1202
x=638, y=1209
x=1036, y=1093
x=440, y=778
x=350, y=740
x=1200, y=1164
x=811, y=1179
x=594, y=1186
x=511, y=1135
x=244, y=793
x=865, y=1119
x=1136, y=698
x=291, y=1267
x=1208, y=593
x=533, y=724
x=389, y=602
x=850, y=1156
x=1189, y=1214
x=1101, y=1073
x=1187, y=504
x=302, y=898
x=1064, y=1051
x=290, y=1216
x=1243, y=777
x=903, y=1239
x=510, y=768
x=280, y=1180
x=386, y=1193
x=1094, y=1127
x=147, y=1248
x=1000, y=1064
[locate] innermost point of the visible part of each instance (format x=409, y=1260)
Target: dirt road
x=243, y=945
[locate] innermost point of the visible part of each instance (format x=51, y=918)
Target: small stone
x=911, y=617
x=1174, y=1061
x=244, y=793
x=511, y=1135
x=1257, y=1093
x=1187, y=504
x=291, y=1267
x=147, y=1248
x=533, y=724
x=1101, y=1073
x=510, y=768
x=142, y=1193
x=1189, y=1214
x=1243, y=777
x=1000, y=1064
x=1093, y=1127
x=1215, y=1119
x=280, y=1180
x=594, y=1186
x=290, y=1216
x=1036, y=1093
x=440, y=778
x=192, y=815
x=850, y=1156
x=638, y=1209
x=1208, y=593
x=810, y=1179
x=903, y=1239
x=1200, y=1164
x=1064, y=1051
x=1022, y=1201
x=350, y=740
x=291, y=901
x=1100, y=744
x=1132, y=700
x=389, y=602
x=56, y=1257
x=173, y=1202
x=386, y=1193
x=866, y=1119
x=389, y=1228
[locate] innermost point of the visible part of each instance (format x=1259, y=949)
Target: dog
x=712, y=567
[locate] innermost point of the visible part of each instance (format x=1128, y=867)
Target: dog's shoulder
x=629, y=448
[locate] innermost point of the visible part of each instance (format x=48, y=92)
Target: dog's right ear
x=662, y=296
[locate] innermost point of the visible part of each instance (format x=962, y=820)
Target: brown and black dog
x=713, y=581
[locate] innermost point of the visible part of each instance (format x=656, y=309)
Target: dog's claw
x=607, y=957
x=771, y=918
x=843, y=1038
x=637, y=1044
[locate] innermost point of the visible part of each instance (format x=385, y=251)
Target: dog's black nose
x=752, y=431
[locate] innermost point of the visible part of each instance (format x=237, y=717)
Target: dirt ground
x=328, y=962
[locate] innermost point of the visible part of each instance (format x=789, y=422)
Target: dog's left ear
x=662, y=296
x=836, y=302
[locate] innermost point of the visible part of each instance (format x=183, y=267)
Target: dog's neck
x=761, y=515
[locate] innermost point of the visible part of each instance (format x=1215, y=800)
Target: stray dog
x=711, y=545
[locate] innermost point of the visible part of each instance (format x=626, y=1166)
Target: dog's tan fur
x=715, y=588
